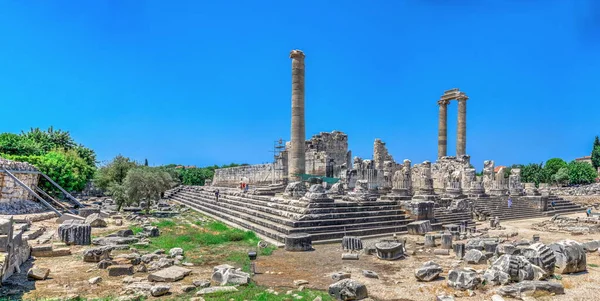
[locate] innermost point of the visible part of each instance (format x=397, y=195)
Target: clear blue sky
x=205, y=82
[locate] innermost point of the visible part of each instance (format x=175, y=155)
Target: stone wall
x=591, y=189
x=259, y=174
x=326, y=151
x=10, y=191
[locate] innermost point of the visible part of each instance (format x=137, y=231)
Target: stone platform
x=277, y=218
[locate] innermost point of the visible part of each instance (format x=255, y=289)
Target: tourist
x=509, y=202
x=552, y=204
x=246, y=188
x=217, y=194
x=589, y=212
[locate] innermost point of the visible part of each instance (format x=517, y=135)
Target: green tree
x=533, y=173
x=196, y=176
x=13, y=144
x=581, y=173
x=146, y=184
x=51, y=139
x=66, y=168
x=596, y=157
x=552, y=166
x=114, y=172
x=561, y=177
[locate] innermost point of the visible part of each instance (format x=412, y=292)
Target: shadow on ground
x=17, y=285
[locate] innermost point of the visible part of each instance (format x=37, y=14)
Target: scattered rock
x=36, y=273
x=161, y=264
x=152, y=231
x=95, y=280
x=201, y=283
x=188, y=288
x=176, y=252
x=159, y=290
x=463, y=279
x=216, y=289
x=540, y=255
x=445, y=298
x=340, y=276
x=348, y=289
x=95, y=221
x=170, y=274
x=97, y=254
x=509, y=268
x=111, y=241
x=497, y=298
x=527, y=287
x=300, y=282
x=475, y=256
x=120, y=270
x=591, y=246
x=570, y=256
x=104, y=264
x=225, y=274
x=370, y=274
x=428, y=272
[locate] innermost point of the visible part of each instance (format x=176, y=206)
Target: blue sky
x=205, y=82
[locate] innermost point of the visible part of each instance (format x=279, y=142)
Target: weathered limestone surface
x=389, y=250
x=463, y=279
x=509, y=268
x=516, y=290
x=73, y=232
x=570, y=256
x=348, y=289
x=419, y=227
x=97, y=254
x=297, y=144
x=170, y=274
x=428, y=272
x=298, y=242
x=14, y=199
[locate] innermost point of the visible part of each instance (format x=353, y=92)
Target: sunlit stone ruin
x=316, y=187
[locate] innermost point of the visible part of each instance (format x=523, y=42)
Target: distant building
x=587, y=159
x=497, y=169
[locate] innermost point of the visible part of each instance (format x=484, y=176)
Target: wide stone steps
x=277, y=227
x=293, y=223
x=258, y=229
x=274, y=208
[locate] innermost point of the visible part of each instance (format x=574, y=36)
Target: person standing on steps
x=217, y=194
x=509, y=203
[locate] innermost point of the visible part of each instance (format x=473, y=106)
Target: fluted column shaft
x=461, y=131
x=298, y=135
x=443, y=129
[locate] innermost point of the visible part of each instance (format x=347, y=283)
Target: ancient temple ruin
x=368, y=196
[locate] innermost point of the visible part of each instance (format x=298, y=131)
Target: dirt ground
x=396, y=278
x=69, y=274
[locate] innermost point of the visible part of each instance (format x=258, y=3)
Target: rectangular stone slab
x=170, y=274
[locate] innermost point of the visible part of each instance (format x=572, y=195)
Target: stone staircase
x=326, y=222
x=521, y=209
x=561, y=206
x=444, y=217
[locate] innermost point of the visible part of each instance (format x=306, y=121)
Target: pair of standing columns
x=461, y=132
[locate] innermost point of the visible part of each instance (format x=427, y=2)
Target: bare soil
x=69, y=274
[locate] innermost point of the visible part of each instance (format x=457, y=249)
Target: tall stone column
x=461, y=131
x=298, y=135
x=443, y=129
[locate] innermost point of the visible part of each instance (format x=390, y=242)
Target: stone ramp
x=326, y=222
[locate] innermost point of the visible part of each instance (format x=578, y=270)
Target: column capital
x=443, y=102
x=462, y=97
x=297, y=54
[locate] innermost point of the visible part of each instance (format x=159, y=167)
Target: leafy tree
x=119, y=194
x=146, y=184
x=66, y=168
x=596, y=157
x=51, y=139
x=534, y=173
x=196, y=176
x=114, y=172
x=561, y=176
x=552, y=166
x=13, y=144
x=581, y=173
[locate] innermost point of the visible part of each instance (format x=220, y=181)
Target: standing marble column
x=461, y=131
x=443, y=128
x=298, y=135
